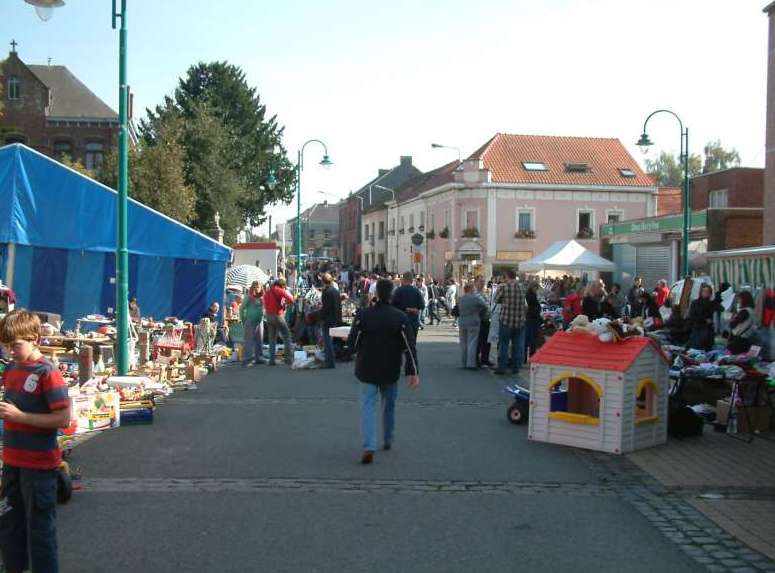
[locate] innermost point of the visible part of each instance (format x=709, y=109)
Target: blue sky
x=380, y=80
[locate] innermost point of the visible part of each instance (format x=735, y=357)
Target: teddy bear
x=601, y=327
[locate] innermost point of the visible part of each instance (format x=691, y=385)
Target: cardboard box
x=759, y=416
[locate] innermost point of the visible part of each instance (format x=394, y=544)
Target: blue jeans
x=29, y=516
x=369, y=393
x=514, y=337
x=253, y=347
x=328, y=347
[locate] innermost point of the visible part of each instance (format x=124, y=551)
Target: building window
x=433, y=222
x=411, y=222
x=372, y=232
x=613, y=216
x=719, y=199
x=534, y=166
x=625, y=172
x=577, y=167
x=62, y=148
x=525, y=222
x=326, y=234
x=382, y=229
x=366, y=232
x=403, y=224
x=393, y=224
x=447, y=219
x=585, y=224
x=14, y=88
x=575, y=399
x=94, y=155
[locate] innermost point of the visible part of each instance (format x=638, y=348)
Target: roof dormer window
x=534, y=166
x=577, y=167
x=626, y=172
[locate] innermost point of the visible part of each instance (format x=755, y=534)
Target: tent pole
x=10, y=265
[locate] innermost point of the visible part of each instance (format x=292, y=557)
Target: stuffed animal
x=601, y=327
x=581, y=324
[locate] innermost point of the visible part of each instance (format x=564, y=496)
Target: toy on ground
x=616, y=393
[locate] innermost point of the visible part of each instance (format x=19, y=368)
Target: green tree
x=250, y=144
x=668, y=170
x=156, y=175
x=76, y=165
x=716, y=157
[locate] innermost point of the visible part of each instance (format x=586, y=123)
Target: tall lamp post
x=44, y=9
x=325, y=162
x=644, y=143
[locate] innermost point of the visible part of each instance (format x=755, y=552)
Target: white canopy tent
x=567, y=256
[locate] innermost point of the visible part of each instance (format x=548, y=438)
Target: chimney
x=406, y=161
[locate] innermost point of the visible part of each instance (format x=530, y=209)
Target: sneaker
x=367, y=457
x=387, y=446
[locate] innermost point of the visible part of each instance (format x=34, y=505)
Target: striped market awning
x=743, y=271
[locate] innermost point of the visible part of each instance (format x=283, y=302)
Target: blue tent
x=58, y=241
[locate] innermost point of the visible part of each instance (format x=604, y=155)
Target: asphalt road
x=257, y=471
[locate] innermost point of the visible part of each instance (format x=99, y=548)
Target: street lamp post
x=325, y=162
x=644, y=143
x=44, y=7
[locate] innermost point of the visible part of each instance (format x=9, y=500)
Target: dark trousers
x=28, y=520
x=532, y=326
x=433, y=312
x=484, y=346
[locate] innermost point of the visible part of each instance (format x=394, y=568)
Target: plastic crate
x=138, y=416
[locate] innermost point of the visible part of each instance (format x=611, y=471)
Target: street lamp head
x=271, y=181
x=436, y=145
x=644, y=142
x=45, y=8
x=326, y=161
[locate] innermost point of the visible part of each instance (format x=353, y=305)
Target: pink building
x=515, y=196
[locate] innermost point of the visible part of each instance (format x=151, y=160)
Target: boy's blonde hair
x=17, y=324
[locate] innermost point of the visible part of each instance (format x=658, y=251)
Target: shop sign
x=514, y=256
x=417, y=239
x=667, y=224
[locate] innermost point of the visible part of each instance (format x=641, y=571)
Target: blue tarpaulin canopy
x=58, y=242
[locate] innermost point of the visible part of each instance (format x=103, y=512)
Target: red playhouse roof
x=584, y=350
x=254, y=246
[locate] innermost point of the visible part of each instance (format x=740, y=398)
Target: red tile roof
x=583, y=350
x=503, y=156
x=668, y=201
x=254, y=246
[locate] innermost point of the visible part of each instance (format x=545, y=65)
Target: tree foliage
x=716, y=157
x=231, y=147
x=667, y=168
x=156, y=174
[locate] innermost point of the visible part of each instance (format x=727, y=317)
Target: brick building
x=50, y=110
x=367, y=198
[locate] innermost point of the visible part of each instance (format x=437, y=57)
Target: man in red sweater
x=661, y=292
x=276, y=298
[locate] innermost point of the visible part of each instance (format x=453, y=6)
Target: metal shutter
x=653, y=263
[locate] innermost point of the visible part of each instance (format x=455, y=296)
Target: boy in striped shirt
x=36, y=404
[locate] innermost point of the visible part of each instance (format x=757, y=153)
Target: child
x=35, y=405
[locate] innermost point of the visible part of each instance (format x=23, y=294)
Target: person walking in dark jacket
x=409, y=299
x=379, y=336
x=330, y=316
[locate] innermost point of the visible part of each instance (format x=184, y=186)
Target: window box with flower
x=470, y=233
x=430, y=234
x=585, y=233
x=444, y=233
x=401, y=231
x=525, y=234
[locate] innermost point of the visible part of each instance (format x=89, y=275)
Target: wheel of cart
x=519, y=410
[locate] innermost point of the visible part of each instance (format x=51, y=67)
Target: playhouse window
x=580, y=403
x=645, y=402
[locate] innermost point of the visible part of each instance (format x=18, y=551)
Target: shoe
x=387, y=446
x=367, y=457
x=499, y=371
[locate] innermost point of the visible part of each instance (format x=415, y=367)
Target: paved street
x=257, y=471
